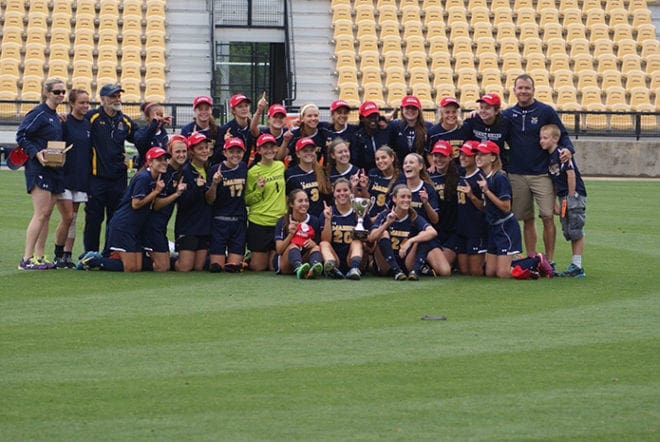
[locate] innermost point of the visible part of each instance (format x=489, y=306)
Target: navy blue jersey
x=455, y=136
x=158, y=219
x=126, y=218
x=416, y=202
x=363, y=152
x=40, y=125
x=281, y=232
x=230, y=196
x=342, y=226
x=525, y=153
x=447, y=207
x=108, y=137
x=499, y=184
x=475, y=129
x=335, y=174
x=470, y=221
x=193, y=214
x=557, y=171
x=218, y=141
x=402, y=229
x=278, y=139
x=236, y=131
x=347, y=133
x=78, y=160
x=405, y=139
x=320, y=138
x=147, y=137
x=379, y=188
x=296, y=178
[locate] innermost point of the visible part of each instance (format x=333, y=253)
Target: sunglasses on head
x=59, y=91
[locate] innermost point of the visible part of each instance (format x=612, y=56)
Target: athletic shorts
x=228, y=237
x=472, y=246
x=192, y=243
x=504, y=238
x=120, y=241
x=451, y=243
x=572, y=225
x=44, y=182
x=530, y=189
x=155, y=241
x=74, y=195
x=260, y=239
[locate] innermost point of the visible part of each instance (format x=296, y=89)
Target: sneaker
x=214, y=267
x=233, y=268
x=86, y=261
x=400, y=276
x=574, y=271
x=354, y=274
x=60, y=263
x=46, y=263
x=30, y=264
x=427, y=270
x=544, y=268
x=412, y=276
x=315, y=271
x=331, y=271
x=554, y=269
x=68, y=262
x=301, y=271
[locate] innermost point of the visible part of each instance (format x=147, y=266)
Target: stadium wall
x=618, y=157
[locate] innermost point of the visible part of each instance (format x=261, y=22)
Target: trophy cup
x=361, y=207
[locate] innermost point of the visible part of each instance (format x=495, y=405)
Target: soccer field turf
x=103, y=356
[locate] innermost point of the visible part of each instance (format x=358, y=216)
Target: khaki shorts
x=528, y=189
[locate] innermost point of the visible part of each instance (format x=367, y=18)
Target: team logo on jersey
x=535, y=120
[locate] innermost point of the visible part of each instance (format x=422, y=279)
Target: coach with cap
x=110, y=129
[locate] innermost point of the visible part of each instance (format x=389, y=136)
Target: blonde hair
x=552, y=129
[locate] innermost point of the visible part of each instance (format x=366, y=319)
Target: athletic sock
x=420, y=256
x=577, y=260
x=295, y=257
x=59, y=251
x=385, y=247
x=315, y=257
x=355, y=262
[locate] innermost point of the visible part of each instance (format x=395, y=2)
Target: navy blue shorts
x=192, y=243
x=472, y=246
x=123, y=241
x=43, y=181
x=504, y=238
x=228, y=236
x=451, y=243
x=155, y=241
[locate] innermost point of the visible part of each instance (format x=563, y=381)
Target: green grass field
x=101, y=356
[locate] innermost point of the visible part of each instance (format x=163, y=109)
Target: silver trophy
x=361, y=207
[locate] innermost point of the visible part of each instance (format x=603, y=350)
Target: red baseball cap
x=449, y=100
x=202, y=99
x=237, y=99
x=443, y=147
x=177, y=138
x=265, y=138
x=338, y=104
x=276, y=109
x=304, y=142
x=469, y=147
x=156, y=152
x=196, y=138
x=488, y=147
x=234, y=142
x=411, y=100
x=16, y=158
x=367, y=108
x=490, y=100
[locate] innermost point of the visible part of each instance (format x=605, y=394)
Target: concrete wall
x=618, y=157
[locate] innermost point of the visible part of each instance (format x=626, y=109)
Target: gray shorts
x=572, y=224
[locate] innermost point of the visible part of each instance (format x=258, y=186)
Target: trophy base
x=360, y=234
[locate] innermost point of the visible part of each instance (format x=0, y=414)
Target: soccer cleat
x=46, y=263
x=31, y=264
x=400, y=276
x=544, y=268
x=60, y=263
x=301, y=271
x=574, y=271
x=412, y=276
x=214, y=267
x=68, y=262
x=315, y=271
x=331, y=271
x=427, y=270
x=354, y=274
x=233, y=267
x=85, y=262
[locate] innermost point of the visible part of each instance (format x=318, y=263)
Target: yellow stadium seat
x=583, y=62
x=393, y=60
x=555, y=46
x=155, y=7
x=368, y=43
x=14, y=19
x=541, y=77
x=433, y=14
x=506, y=30
x=409, y=13
x=639, y=98
x=61, y=21
x=613, y=4
x=509, y=45
x=631, y=62
x=440, y=62
x=370, y=75
x=469, y=96
x=614, y=95
x=415, y=45
x=652, y=63
x=106, y=72
x=603, y=46
x=35, y=51
x=598, y=31
x=108, y=22
x=544, y=4
x=610, y=79
x=595, y=16
x=482, y=30
x=394, y=74
x=575, y=31
x=618, y=17
x=395, y=92
x=85, y=22
x=373, y=92
x=412, y=30
x=641, y=17
x=11, y=52
x=536, y=61
x=38, y=20
x=369, y=59
x=346, y=76
x=472, y=4
x=479, y=14
x=438, y=47
x=459, y=30
x=38, y=6
x=86, y=7
x=466, y=77
x=528, y=30
x=443, y=76
x=83, y=39
x=132, y=7
x=461, y=45
x=532, y=46
x=58, y=68
x=33, y=68
x=622, y=31
x=495, y=4
x=510, y=77
x=522, y=4
x=343, y=27
x=607, y=62
x=649, y=47
x=548, y=16
x=591, y=95
x=344, y=43
x=132, y=23
x=425, y=95
x=36, y=36
x=559, y=62
x=491, y=78
x=579, y=46
x=344, y=60
x=544, y=94
x=488, y=61
x=10, y=67
x=511, y=61
x=464, y=60
x=428, y=3
x=365, y=28
x=571, y=16
x=564, y=4
x=502, y=15
x=635, y=79
x=562, y=78
x=12, y=36
x=445, y=90
x=566, y=97
x=436, y=29
x=589, y=5
x=154, y=90
x=552, y=30
x=456, y=14
x=587, y=79
x=525, y=15
x=645, y=32
x=342, y=12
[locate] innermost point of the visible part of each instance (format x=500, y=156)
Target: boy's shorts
x=572, y=225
